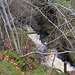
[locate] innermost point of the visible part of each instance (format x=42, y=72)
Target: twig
x=59, y=37
x=62, y=25
x=64, y=7
x=66, y=22
x=64, y=18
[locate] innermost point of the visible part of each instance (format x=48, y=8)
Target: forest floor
x=12, y=64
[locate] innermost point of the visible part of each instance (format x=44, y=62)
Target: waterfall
x=58, y=63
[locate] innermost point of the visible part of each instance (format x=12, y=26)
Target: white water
x=35, y=38
x=58, y=63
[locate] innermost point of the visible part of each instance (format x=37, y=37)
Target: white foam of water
x=58, y=63
x=35, y=38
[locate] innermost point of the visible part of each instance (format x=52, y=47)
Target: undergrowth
x=26, y=65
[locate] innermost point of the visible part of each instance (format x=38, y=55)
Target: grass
x=43, y=71
x=28, y=66
x=38, y=71
x=6, y=68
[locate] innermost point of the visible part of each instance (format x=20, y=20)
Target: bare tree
x=6, y=17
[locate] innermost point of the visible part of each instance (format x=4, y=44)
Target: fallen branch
x=53, y=53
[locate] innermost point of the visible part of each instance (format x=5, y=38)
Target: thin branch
x=59, y=37
x=64, y=18
x=62, y=25
x=66, y=22
x=28, y=54
x=64, y=7
x=53, y=53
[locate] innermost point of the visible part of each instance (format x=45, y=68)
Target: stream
x=58, y=63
